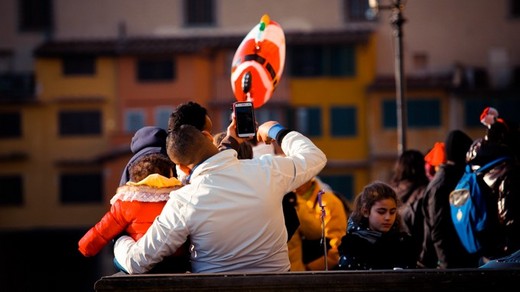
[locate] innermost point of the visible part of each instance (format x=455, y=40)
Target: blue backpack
x=469, y=208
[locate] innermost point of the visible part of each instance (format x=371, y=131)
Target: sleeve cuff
x=274, y=130
x=119, y=267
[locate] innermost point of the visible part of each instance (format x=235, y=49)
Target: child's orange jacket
x=134, y=208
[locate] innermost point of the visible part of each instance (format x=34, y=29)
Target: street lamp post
x=397, y=21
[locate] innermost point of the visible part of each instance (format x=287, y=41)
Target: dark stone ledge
x=421, y=280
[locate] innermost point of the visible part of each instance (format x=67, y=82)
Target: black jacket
x=503, y=180
x=441, y=245
x=365, y=249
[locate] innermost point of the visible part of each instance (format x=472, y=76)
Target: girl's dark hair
x=371, y=194
x=152, y=163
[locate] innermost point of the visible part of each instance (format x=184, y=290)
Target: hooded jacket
x=146, y=140
x=503, y=180
x=134, y=207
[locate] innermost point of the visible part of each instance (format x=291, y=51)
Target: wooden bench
x=417, y=280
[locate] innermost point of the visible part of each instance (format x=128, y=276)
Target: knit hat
x=457, y=144
x=437, y=155
x=488, y=116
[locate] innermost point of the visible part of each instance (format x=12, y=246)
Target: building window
x=11, y=190
x=10, y=125
x=79, y=123
x=6, y=63
x=472, y=110
x=355, y=10
x=264, y=114
x=424, y=113
x=421, y=113
x=79, y=65
x=308, y=121
x=343, y=185
x=81, y=188
x=343, y=121
x=35, y=15
x=318, y=60
x=155, y=70
x=16, y=86
x=162, y=115
x=134, y=120
x=199, y=12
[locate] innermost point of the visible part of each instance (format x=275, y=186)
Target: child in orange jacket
x=135, y=204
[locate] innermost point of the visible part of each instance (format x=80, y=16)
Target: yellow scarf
x=157, y=180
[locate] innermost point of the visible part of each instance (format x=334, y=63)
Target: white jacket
x=232, y=212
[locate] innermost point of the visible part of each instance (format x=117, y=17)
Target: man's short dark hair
x=186, y=145
x=188, y=113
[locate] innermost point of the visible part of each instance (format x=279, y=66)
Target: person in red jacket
x=135, y=206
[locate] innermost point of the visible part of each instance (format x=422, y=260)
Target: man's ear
x=208, y=135
x=208, y=125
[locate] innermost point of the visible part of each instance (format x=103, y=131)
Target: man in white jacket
x=230, y=209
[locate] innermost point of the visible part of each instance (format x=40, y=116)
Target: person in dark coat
x=503, y=181
x=409, y=182
x=441, y=245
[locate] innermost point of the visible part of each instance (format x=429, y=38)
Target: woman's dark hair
x=410, y=167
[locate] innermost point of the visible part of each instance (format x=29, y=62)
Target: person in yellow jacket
x=306, y=253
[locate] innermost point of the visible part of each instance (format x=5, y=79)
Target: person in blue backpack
x=441, y=246
x=503, y=182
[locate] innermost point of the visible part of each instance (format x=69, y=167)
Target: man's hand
x=263, y=130
x=231, y=130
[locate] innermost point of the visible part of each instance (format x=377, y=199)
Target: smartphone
x=245, y=117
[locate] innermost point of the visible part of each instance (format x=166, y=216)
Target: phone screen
x=245, y=117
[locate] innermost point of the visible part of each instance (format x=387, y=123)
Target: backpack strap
x=491, y=164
